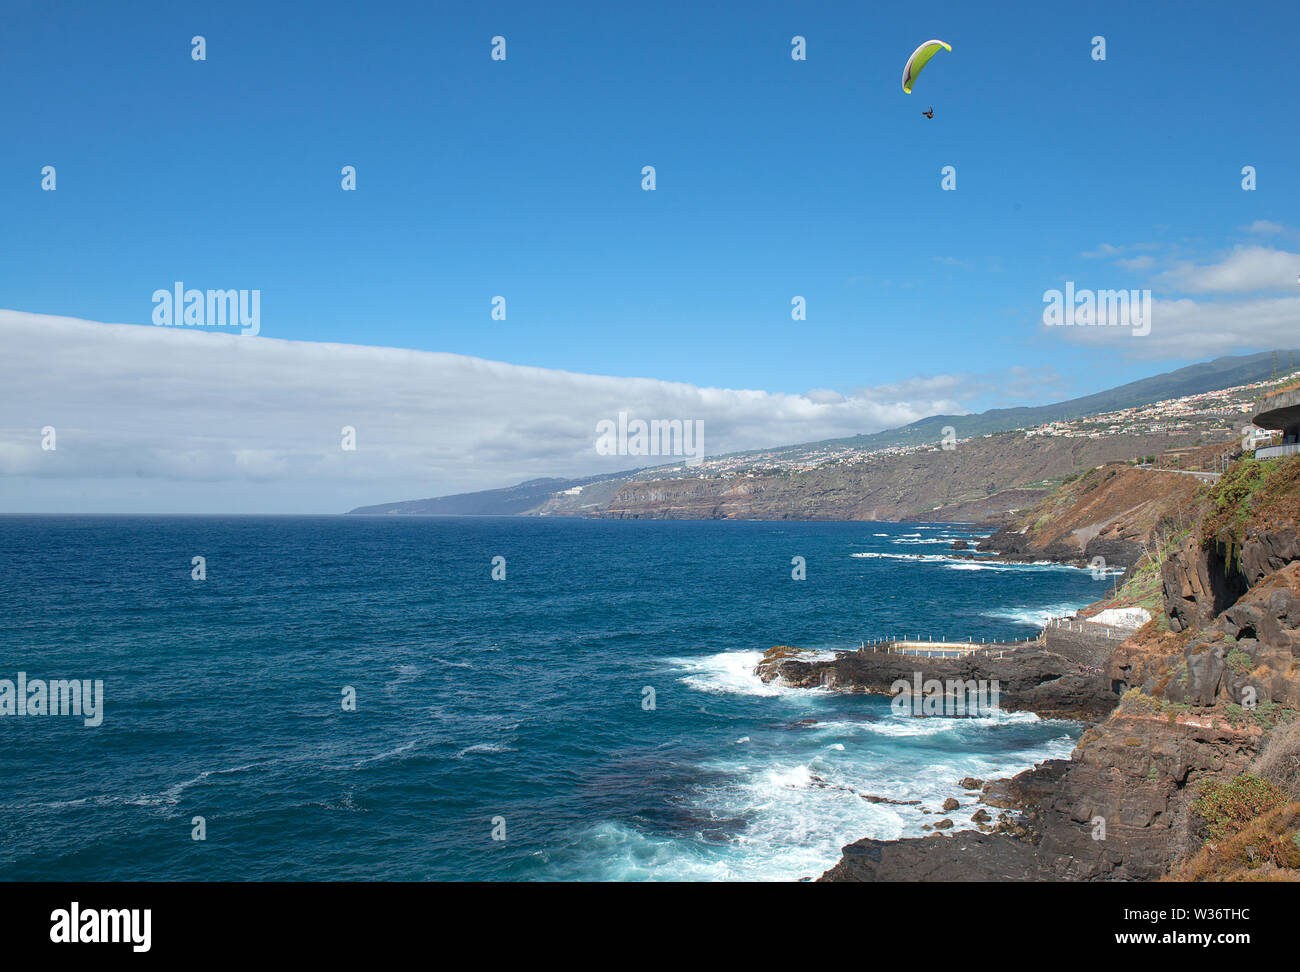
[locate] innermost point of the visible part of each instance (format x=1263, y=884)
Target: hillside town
x=1218, y=415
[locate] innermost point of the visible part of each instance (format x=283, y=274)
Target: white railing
x=945, y=649
x=1272, y=452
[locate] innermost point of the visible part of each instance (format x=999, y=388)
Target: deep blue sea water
x=478, y=699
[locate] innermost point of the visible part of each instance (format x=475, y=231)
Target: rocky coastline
x=1205, y=695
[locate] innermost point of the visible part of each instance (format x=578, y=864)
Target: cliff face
x=1247, y=653
x=1123, y=804
x=1231, y=594
x=1198, y=583
x=977, y=479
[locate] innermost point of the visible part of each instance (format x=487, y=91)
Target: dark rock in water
x=1029, y=679
x=898, y=803
x=950, y=804
x=944, y=824
x=971, y=783
x=981, y=816
x=959, y=545
x=965, y=856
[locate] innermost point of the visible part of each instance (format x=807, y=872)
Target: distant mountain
x=509, y=501
x=538, y=495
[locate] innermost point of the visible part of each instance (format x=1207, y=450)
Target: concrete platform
x=1280, y=410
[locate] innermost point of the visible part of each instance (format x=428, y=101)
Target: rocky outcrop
x=1199, y=581
x=966, y=855
x=1028, y=679
x=1005, y=853
x=1267, y=550
x=1234, y=623
x=1248, y=654
x=1121, y=811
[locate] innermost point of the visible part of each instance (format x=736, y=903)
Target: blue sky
x=775, y=178
x=522, y=178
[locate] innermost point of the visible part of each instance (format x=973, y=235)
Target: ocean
x=592, y=716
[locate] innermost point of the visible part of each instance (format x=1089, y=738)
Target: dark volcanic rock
x=1123, y=801
x=1028, y=679
x=964, y=856
x=959, y=545
x=1254, y=644
x=1027, y=790
x=1199, y=582
x=871, y=798
x=1266, y=551
x=1120, y=808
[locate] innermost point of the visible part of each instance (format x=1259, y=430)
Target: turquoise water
x=512, y=705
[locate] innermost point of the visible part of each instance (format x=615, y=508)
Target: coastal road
x=1202, y=475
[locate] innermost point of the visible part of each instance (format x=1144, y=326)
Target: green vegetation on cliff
x=1232, y=500
x=1251, y=492
x=1227, y=807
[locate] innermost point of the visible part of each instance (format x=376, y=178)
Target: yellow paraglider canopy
x=919, y=59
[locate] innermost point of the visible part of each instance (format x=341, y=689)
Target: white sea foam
x=780, y=802
x=793, y=813
x=877, y=555
x=732, y=673
x=1035, y=616
x=479, y=748
x=967, y=562
x=1008, y=567
x=904, y=726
